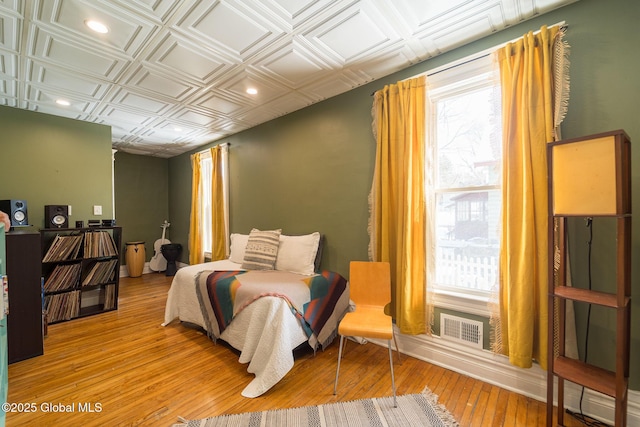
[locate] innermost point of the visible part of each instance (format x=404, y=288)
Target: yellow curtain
x=397, y=200
x=196, y=250
x=526, y=75
x=218, y=211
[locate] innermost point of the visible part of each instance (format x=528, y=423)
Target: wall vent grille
x=459, y=329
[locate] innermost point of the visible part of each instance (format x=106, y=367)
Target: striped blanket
x=312, y=299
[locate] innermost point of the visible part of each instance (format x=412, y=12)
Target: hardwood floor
x=123, y=368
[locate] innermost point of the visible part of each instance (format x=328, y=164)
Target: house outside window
x=463, y=179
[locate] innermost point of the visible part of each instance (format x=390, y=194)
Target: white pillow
x=297, y=254
x=238, y=247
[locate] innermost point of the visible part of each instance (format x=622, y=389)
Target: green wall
x=604, y=38
x=142, y=199
x=311, y=170
x=180, y=201
x=49, y=160
x=308, y=171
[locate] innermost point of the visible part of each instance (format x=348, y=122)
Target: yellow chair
x=370, y=290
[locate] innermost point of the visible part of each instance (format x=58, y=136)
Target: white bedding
x=265, y=332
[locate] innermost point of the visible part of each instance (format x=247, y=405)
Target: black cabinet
x=24, y=322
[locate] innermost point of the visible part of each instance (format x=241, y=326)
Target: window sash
x=463, y=79
x=206, y=171
x=206, y=168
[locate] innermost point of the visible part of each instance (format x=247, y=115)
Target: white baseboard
x=496, y=369
x=124, y=272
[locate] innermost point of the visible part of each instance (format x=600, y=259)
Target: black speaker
x=56, y=216
x=17, y=211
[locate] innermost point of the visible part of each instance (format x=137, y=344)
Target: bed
x=263, y=313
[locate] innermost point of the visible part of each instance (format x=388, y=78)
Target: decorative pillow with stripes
x=262, y=250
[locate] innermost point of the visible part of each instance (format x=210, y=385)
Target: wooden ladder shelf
x=589, y=177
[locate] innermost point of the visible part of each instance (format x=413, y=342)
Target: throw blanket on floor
x=312, y=299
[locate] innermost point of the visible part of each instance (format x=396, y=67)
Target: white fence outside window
x=479, y=273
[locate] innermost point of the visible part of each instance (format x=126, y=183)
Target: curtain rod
x=475, y=57
x=468, y=61
x=227, y=144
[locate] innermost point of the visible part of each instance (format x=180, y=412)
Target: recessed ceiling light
x=96, y=26
x=63, y=102
x=252, y=91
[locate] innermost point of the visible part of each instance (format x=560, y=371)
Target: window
x=206, y=170
x=205, y=209
x=463, y=176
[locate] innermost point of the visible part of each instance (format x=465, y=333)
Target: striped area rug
x=412, y=410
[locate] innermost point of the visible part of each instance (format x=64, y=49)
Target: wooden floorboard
x=131, y=371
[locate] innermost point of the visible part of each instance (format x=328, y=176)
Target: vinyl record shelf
x=80, y=271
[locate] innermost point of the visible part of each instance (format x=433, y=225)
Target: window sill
x=462, y=302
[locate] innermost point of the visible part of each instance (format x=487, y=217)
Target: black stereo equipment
x=56, y=216
x=17, y=211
